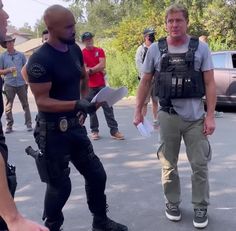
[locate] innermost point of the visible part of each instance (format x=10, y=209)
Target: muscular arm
x=142, y=92
x=210, y=101
x=47, y=104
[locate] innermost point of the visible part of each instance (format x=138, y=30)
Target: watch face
x=96, y=54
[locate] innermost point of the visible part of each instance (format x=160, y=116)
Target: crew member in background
x=149, y=38
x=11, y=63
x=95, y=64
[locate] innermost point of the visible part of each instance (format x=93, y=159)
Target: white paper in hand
x=110, y=95
x=145, y=128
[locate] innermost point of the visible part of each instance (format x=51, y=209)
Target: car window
x=219, y=60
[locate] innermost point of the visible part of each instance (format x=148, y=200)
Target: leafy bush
x=120, y=67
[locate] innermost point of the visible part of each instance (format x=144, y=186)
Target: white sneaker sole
x=173, y=218
x=200, y=225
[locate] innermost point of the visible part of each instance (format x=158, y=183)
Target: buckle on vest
x=63, y=125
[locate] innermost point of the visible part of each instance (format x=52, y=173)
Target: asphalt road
x=134, y=188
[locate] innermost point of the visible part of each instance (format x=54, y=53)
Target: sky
x=22, y=11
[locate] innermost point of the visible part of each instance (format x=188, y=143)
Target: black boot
x=54, y=224
x=106, y=224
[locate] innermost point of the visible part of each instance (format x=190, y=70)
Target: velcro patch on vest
x=176, y=60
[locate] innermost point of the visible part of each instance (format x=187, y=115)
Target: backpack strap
x=144, y=53
x=162, y=44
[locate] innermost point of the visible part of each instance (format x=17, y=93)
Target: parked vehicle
x=225, y=77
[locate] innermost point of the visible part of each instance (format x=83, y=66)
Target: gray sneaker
x=29, y=128
x=8, y=130
x=172, y=212
x=219, y=114
x=200, y=219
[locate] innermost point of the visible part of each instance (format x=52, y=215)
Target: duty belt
x=62, y=124
x=169, y=110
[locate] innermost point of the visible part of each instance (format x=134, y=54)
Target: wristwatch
x=90, y=71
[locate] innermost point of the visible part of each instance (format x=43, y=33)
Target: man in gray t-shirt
x=181, y=117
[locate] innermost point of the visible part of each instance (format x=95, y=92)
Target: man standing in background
x=11, y=63
x=149, y=38
x=95, y=63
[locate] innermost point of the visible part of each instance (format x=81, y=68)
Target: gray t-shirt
x=18, y=60
x=189, y=109
x=139, y=58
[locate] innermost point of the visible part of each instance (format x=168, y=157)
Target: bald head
x=60, y=23
x=56, y=14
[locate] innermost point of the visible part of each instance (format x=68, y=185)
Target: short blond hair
x=177, y=8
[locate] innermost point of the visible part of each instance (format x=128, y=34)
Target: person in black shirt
x=55, y=72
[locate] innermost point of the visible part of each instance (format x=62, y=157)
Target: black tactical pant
x=60, y=148
x=108, y=112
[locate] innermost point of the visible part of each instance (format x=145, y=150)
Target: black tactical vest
x=177, y=77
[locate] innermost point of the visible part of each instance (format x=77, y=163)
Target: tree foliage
x=120, y=24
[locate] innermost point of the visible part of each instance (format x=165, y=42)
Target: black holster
x=48, y=171
x=41, y=163
x=11, y=179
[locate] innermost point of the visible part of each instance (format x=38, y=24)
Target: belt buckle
x=63, y=125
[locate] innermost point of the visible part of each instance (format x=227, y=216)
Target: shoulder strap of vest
x=193, y=44
x=162, y=44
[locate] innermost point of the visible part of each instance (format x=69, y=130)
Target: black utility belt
x=62, y=124
x=169, y=110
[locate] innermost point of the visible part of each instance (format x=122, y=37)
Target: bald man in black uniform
x=55, y=72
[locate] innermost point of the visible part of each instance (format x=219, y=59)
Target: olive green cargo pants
x=172, y=130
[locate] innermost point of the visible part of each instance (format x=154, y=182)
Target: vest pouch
x=178, y=82
x=199, y=85
x=187, y=87
x=165, y=83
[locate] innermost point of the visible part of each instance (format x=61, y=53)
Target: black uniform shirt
x=62, y=69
